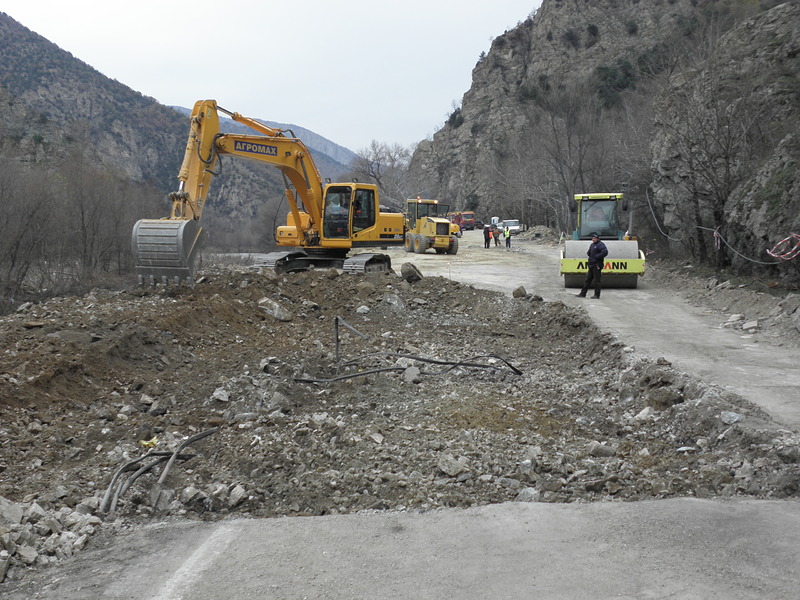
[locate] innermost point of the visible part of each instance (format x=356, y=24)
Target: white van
x=512, y=224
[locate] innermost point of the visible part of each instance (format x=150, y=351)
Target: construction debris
x=422, y=401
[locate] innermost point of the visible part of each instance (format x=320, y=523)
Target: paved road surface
x=677, y=549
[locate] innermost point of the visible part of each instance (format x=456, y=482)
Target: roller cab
x=426, y=227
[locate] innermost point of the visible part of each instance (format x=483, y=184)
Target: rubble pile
x=315, y=393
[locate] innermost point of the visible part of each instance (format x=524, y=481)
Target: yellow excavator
x=325, y=220
x=599, y=213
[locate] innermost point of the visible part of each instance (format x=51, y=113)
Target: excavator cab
x=348, y=210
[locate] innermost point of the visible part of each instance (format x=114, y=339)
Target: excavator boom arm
x=206, y=142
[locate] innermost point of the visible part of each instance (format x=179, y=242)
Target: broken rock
x=274, y=309
x=528, y=495
x=452, y=466
x=411, y=375
x=11, y=513
x=410, y=273
x=729, y=417
x=5, y=560
x=237, y=495
x=601, y=450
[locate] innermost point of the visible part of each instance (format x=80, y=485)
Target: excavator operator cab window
x=337, y=213
x=363, y=210
x=599, y=216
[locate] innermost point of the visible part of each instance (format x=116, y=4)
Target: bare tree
x=25, y=221
x=385, y=165
x=627, y=131
x=566, y=131
x=564, y=152
x=88, y=203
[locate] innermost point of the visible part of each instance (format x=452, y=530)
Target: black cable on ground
x=451, y=365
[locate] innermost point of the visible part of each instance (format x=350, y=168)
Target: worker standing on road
x=596, y=253
x=507, y=235
x=487, y=236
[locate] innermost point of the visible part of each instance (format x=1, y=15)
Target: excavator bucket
x=166, y=250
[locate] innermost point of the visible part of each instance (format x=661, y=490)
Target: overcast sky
x=353, y=70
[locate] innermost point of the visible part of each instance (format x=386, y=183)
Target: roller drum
x=616, y=249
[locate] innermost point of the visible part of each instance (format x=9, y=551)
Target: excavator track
x=166, y=251
x=297, y=260
x=285, y=261
x=367, y=263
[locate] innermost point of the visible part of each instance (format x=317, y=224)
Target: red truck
x=464, y=219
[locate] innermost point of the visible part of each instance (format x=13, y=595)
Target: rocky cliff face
x=725, y=151
x=583, y=96
x=563, y=44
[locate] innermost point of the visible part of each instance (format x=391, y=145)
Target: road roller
x=599, y=213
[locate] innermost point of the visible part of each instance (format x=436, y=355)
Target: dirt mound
x=432, y=394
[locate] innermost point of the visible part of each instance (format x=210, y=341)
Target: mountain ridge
x=124, y=130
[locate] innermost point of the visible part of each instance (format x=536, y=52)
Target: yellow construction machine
x=599, y=213
x=427, y=227
x=325, y=220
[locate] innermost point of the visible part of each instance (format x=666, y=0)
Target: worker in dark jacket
x=487, y=236
x=597, y=253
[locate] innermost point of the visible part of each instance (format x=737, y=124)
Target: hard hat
x=594, y=234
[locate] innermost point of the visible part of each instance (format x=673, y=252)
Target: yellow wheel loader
x=599, y=213
x=325, y=220
x=427, y=227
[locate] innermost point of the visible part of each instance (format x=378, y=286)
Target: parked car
x=478, y=224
